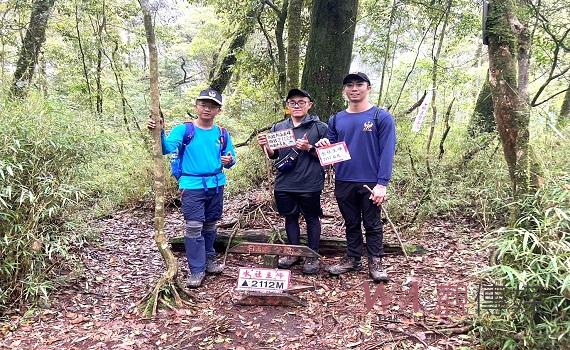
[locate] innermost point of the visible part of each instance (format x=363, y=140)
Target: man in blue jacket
x=202, y=182
x=370, y=135
x=298, y=188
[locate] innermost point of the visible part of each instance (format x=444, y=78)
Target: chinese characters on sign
x=335, y=153
x=281, y=139
x=263, y=280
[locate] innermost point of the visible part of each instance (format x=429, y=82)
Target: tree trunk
x=281, y=59
x=565, y=110
x=225, y=70
x=511, y=108
x=434, y=84
x=329, y=53
x=165, y=288
x=84, y=63
x=387, y=51
x=293, y=42
x=483, y=120
x=33, y=41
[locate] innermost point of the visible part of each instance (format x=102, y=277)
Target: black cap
x=298, y=92
x=358, y=76
x=210, y=94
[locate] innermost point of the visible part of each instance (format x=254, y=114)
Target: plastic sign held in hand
x=281, y=139
x=335, y=153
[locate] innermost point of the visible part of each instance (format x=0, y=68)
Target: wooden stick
x=391, y=224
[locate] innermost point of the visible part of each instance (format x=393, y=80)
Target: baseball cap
x=298, y=92
x=358, y=76
x=210, y=94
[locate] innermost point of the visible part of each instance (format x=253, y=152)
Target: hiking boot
x=311, y=266
x=376, y=270
x=213, y=267
x=346, y=264
x=288, y=261
x=195, y=279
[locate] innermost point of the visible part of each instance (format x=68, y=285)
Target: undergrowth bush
x=42, y=148
x=534, y=255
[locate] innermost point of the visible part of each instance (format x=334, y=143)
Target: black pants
x=290, y=205
x=356, y=209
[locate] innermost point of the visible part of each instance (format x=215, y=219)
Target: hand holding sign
x=335, y=153
x=303, y=144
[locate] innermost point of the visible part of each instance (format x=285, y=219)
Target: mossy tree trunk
x=483, y=120
x=30, y=51
x=166, y=291
x=222, y=74
x=329, y=53
x=507, y=40
x=294, y=24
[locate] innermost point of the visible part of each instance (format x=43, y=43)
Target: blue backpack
x=176, y=161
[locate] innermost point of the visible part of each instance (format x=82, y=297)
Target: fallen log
x=329, y=246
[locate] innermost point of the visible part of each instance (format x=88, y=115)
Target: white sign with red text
x=263, y=280
x=335, y=153
x=281, y=139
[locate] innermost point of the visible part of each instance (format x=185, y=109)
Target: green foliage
x=249, y=172
x=43, y=147
x=534, y=254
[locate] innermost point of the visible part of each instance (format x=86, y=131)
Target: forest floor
x=98, y=309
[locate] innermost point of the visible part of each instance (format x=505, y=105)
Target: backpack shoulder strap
x=333, y=121
x=376, y=119
x=223, y=138
x=188, y=133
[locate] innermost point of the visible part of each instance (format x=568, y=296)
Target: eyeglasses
x=208, y=106
x=297, y=103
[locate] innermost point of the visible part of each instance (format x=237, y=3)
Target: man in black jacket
x=298, y=186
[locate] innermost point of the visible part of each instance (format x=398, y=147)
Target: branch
x=253, y=133
x=417, y=104
x=273, y=6
x=551, y=97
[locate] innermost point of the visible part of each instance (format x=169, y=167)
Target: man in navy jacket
x=370, y=135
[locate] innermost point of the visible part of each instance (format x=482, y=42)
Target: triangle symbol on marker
x=244, y=284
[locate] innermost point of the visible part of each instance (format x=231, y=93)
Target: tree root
x=167, y=293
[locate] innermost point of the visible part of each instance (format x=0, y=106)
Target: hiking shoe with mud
x=346, y=264
x=286, y=262
x=376, y=270
x=195, y=279
x=213, y=267
x=311, y=266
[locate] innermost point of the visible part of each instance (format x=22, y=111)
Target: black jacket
x=308, y=174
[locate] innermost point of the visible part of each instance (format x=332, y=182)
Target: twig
x=377, y=345
x=409, y=335
x=234, y=230
x=391, y=224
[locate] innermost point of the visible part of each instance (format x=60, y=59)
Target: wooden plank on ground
x=274, y=249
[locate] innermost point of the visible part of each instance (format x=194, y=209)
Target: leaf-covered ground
x=98, y=310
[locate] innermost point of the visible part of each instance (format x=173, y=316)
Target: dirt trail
x=97, y=310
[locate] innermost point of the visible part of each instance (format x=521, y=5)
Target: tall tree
x=33, y=41
x=166, y=291
x=294, y=24
x=507, y=78
x=224, y=72
x=329, y=53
